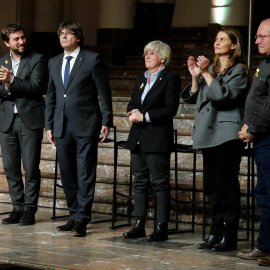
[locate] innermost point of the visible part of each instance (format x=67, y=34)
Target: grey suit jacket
x=79, y=101
x=219, y=108
x=25, y=91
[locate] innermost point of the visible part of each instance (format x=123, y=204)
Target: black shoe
x=210, y=242
x=66, y=227
x=137, y=231
x=13, y=218
x=79, y=229
x=160, y=233
x=28, y=218
x=225, y=245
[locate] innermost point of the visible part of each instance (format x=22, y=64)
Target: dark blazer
x=80, y=101
x=219, y=108
x=25, y=91
x=161, y=103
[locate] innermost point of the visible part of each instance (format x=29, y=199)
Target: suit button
x=65, y=95
x=193, y=127
x=207, y=109
x=210, y=127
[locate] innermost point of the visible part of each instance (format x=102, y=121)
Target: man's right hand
x=50, y=137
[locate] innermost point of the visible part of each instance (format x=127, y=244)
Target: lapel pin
x=160, y=79
x=6, y=62
x=141, y=85
x=257, y=72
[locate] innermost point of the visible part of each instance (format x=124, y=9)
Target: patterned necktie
x=67, y=68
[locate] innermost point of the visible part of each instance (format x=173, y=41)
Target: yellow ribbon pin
x=257, y=72
x=6, y=62
x=142, y=85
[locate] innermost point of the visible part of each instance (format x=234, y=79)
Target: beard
x=19, y=50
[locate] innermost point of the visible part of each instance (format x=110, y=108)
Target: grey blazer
x=219, y=108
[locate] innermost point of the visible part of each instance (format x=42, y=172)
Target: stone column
x=117, y=14
x=199, y=13
x=115, y=31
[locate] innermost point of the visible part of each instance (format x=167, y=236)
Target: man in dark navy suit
x=74, y=121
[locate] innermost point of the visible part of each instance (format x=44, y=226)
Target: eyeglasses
x=261, y=38
x=61, y=34
x=149, y=54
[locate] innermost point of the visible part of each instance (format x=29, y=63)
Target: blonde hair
x=162, y=49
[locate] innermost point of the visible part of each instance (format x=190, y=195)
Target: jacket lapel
x=58, y=71
x=23, y=62
x=141, y=88
x=79, y=60
x=8, y=62
x=158, y=81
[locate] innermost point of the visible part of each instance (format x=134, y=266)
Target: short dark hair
x=74, y=27
x=9, y=29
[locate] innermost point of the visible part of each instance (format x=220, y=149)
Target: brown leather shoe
x=251, y=254
x=265, y=261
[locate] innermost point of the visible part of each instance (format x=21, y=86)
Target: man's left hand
x=244, y=136
x=106, y=131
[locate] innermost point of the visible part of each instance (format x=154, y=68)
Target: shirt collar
x=73, y=54
x=12, y=59
x=154, y=75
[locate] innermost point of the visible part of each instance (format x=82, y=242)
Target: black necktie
x=67, y=68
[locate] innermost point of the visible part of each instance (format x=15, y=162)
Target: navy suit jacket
x=161, y=103
x=25, y=91
x=80, y=101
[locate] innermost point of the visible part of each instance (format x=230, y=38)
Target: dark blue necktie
x=67, y=68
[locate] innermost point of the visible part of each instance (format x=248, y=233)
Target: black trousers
x=157, y=167
x=20, y=144
x=77, y=158
x=221, y=165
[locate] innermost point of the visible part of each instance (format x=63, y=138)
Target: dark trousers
x=77, y=158
x=22, y=144
x=262, y=190
x=156, y=165
x=221, y=166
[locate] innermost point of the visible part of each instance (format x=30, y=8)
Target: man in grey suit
x=22, y=73
x=74, y=121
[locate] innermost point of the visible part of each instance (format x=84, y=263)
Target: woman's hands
x=135, y=116
x=203, y=64
x=196, y=68
x=193, y=68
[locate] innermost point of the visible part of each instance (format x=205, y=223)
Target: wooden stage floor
x=41, y=246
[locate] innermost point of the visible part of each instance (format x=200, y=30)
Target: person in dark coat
x=151, y=109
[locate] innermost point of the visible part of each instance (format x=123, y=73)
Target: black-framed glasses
x=261, y=38
x=61, y=34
